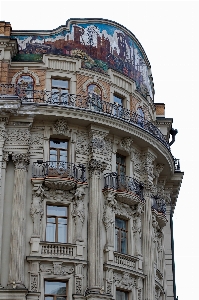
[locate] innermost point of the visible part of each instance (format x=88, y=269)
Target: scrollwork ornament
x=21, y=160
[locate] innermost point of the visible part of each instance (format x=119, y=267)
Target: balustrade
x=59, y=169
x=52, y=249
x=126, y=261
x=90, y=102
x=123, y=183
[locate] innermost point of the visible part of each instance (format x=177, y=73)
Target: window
x=58, y=150
x=120, y=164
x=121, y=235
x=55, y=290
x=60, y=91
x=118, y=106
x=95, y=97
x=56, y=224
x=25, y=87
x=140, y=114
x=121, y=295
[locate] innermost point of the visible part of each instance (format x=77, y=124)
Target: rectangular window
x=58, y=150
x=55, y=290
x=121, y=235
x=120, y=164
x=118, y=100
x=118, y=106
x=56, y=224
x=121, y=295
x=60, y=91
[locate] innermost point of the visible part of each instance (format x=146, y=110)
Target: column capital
x=96, y=166
x=21, y=160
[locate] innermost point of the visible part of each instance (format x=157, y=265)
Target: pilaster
x=17, y=243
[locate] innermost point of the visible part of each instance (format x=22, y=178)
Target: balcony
x=128, y=189
x=89, y=103
x=59, y=169
x=159, y=205
x=126, y=261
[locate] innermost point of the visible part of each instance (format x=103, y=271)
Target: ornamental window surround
x=121, y=235
x=56, y=223
x=55, y=290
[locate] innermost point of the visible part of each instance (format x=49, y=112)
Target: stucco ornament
x=61, y=126
x=18, y=136
x=21, y=160
x=109, y=217
x=124, y=281
x=137, y=228
x=78, y=212
x=126, y=143
x=56, y=268
x=96, y=166
x=36, y=210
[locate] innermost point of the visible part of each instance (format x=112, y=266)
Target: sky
x=169, y=34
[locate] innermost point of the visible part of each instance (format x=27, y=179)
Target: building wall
x=95, y=194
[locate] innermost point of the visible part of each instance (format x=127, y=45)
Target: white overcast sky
x=169, y=33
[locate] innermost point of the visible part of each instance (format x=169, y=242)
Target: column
x=95, y=249
x=17, y=243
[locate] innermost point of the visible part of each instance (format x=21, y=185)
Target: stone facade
x=88, y=184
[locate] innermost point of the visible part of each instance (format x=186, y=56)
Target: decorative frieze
x=18, y=136
x=56, y=268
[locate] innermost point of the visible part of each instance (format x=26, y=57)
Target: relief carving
x=61, y=126
x=82, y=143
x=20, y=136
x=126, y=144
x=34, y=283
x=78, y=212
x=96, y=167
x=124, y=281
x=109, y=217
x=137, y=228
x=36, y=210
x=21, y=160
x=36, y=140
x=57, y=268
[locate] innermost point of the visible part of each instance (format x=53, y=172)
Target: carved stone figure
x=109, y=217
x=36, y=210
x=78, y=212
x=137, y=228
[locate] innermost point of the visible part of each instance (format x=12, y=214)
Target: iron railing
x=90, y=102
x=123, y=183
x=159, y=205
x=59, y=169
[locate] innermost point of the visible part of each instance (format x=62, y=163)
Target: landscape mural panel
x=100, y=47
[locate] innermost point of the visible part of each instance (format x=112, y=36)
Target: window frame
x=123, y=291
x=59, y=149
x=118, y=242
x=55, y=296
x=57, y=223
x=118, y=165
x=59, y=93
x=22, y=91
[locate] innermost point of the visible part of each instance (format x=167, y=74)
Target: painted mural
x=100, y=46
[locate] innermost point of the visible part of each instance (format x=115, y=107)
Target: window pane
x=120, y=295
x=60, y=83
x=55, y=288
x=120, y=223
x=57, y=210
x=50, y=232
x=62, y=231
x=48, y=298
x=117, y=100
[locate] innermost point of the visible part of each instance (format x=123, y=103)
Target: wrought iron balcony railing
x=176, y=164
x=59, y=169
x=159, y=205
x=123, y=183
x=90, y=102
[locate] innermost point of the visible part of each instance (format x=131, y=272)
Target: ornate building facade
x=88, y=180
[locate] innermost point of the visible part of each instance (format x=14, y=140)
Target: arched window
x=25, y=87
x=95, y=97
